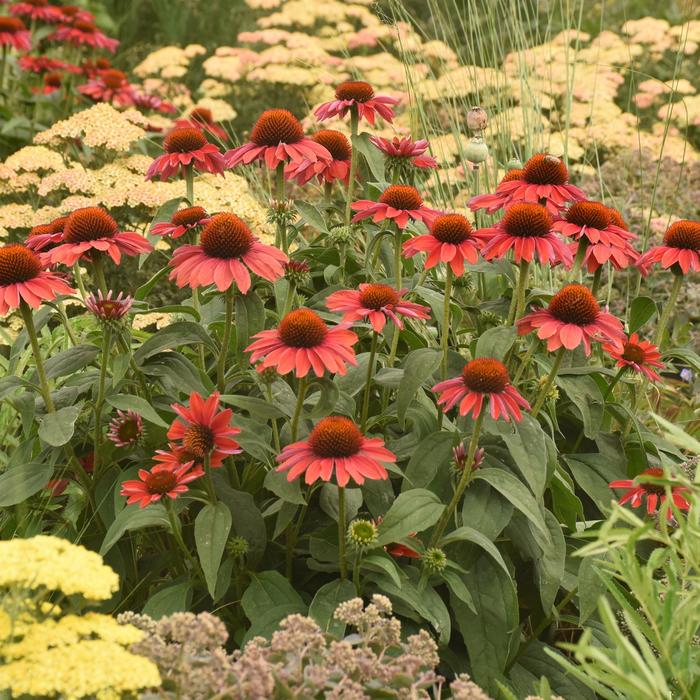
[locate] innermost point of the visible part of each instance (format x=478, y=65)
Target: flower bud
x=268, y=375
x=297, y=272
x=477, y=119
x=514, y=164
x=340, y=235
x=237, y=547
x=476, y=151
x=362, y=533
x=434, y=560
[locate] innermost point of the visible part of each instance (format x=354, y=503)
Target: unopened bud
x=434, y=560
x=362, y=533
x=477, y=119
x=476, y=151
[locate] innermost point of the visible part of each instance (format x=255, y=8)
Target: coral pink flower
x=181, y=222
x=202, y=431
x=338, y=168
x=108, y=307
x=227, y=250
x=52, y=82
x=46, y=236
x=37, y=11
x=680, y=251
x=202, y=118
x=160, y=481
x=620, y=257
x=144, y=100
x=527, y=230
x=44, y=64
x=544, y=180
x=451, y=240
x=82, y=33
x=573, y=317
x=277, y=137
x=184, y=147
x=592, y=222
x=400, y=203
x=73, y=13
x=23, y=279
x=654, y=492
x=301, y=342
x=640, y=355
x=481, y=379
x=125, y=429
x=14, y=33
x=336, y=445
x=359, y=96
x=93, y=230
x=110, y=85
x=404, y=149
x=376, y=302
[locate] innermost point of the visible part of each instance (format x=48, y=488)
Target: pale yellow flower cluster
x=35, y=159
x=169, y=61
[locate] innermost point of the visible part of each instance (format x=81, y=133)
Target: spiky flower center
x=113, y=78
x=544, y=169
x=633, y=353
x=111, y=309
x=17, y=264
x=161, y=482
x=37, y=3
x=515, y=174
x=85, y=27
x=184, y=140
x=11, y=25
x=357, y=90
x=335, y=436
x=275, y=126
x=485, y=375
x=401, y=197
x=451, y=228
x=202, y=115
x=226, y=236
x=52, y=80
x=590, y=214
x=649, y=487
x=683, y=234
x=129, y=429
x=377, y=296
x=616, y=219
x=574, y=304
x=188, y=216
x=302, y=328
x=57, y=225
x=70, y=10
x=40, y=230
x=89, y=224
x=527, y=221
x=198, y=440
x=334, y=142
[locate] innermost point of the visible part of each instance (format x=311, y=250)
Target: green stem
x=597, y=275
x=226, y=340
x=208, y=483
x=281, y=236
x=398, y=267
x=668, y=309
x=197, y=306
x=301, y=394
x=176, y=528
x=99, y=403
x=289, y=299
x=28, y=319
x=548, y=384
x=189, y=184
x=578, y=261
x=526, y=360
x=328, y=194
x=341, y=534
x=445, y=330
x=356, y=574
x=79, y=281
x=448, y=514
x=614, y=382
x=354, y=122
x=275, y=429
x=66, y=323
x=368, y=381
x=518, y=302
x=99, y=273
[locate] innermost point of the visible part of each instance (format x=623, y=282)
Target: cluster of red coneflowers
x=545, y=221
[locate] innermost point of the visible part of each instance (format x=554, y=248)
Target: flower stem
x=578, y=261
x=668, y=309
x=368, y=381
x=597, y=276
x=613, y=383
x=301, y=394
x=189, y=184
x=518, y=302
x=99, y=403
x=226, y=340
x=99, y=273
x=281, y=237
x=445, y=330
x=79, y=281
x=176, y=528
x=28, y=319
x=525, y=361
x=341, y=534
x=354, y=122
x=548, y=384
x=356, y=574
x=275, y=429
x=462, y=485
x=208, y=483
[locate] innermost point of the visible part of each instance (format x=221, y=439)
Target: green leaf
x=677, y=435
x=173, y=598
x=590, y=587
x=289, y=491
x=550, y=565
x=418, y=367
x=485, y=510
x=457, y=587
x=383, y=563
x=413, y=511
x=328, y=501
x=144, y=290
x=57, y=428
x=373, y=156
x=469, y=534
x=253, y=405
x=585, y=396
x=641, y=311
x=211, y=530
x=20, y=482
x=327, y=398
x=325, y=602
x=521, y=498
x=134, y=518
x=432, y=455
x=311, y=215
x=69, y=361
x=127, y=402
x=495, y=342
x=250, y=319
x=173, y=336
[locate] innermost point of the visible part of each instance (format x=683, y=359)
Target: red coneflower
x=91, y=68
x=680, y=250
x=336, y=445
x=82, y=33
x=544, y=180
x=400, y=203
x=481, y=379
x=93, y=230
x=108, y=307
x=14, y=33
x=405, y=150
x=202, y=118
x=572, y=317
x=640, y=355
x=144, y=100
x=203, y=431
x=22, y=278
x=227, y=250
x=641, y=488
x=52, y=82
x=181, y=222
x=160, y=481
x=338, y=168
x=73, y=13
x=110, y=85
x=37, y=10
x=125, y=429
x=43, y=237
x=277, y=137
x=527, y=230
x=44, y=64
x=359, y=96
x=302, y=341
x=186, y=146
x=592, y=222
x=451, y=240
x=376, y=302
